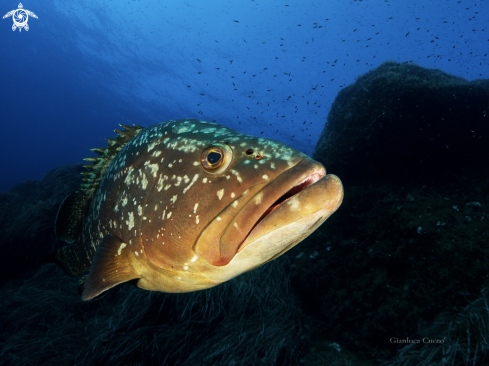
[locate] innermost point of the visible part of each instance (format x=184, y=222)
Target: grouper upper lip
x=285, y=186
x=227, y=234
x=312, y=178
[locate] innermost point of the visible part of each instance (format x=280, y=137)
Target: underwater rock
x=27, y=214
x=403, y=121
x=410, y=144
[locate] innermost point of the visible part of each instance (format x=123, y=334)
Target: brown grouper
x=186, y=205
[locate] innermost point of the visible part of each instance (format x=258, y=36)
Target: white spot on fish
x=185, y=268
x=174, y=199
x=170, y=165
x=197, y=219
x=184, y=127
x=195, y=207
x=123, y=245
x=204, y=180
x=159, y=185
x=294, y=203
x=196, y=163
x=179, y=180
x=169, y=215
x=264, y=176
x=218, y=218
x=236, y=173
x=194, y=258
x=258, y=198
x=137, y=255
x=220, y=193
x=194, y=179
x=140, y=210
x=130, y=221
x=154, y=169
x=232, y=195
x=151, y=146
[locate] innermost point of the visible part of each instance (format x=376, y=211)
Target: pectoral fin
x=110, y=267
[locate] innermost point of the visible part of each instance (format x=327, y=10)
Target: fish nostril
x=249, y=151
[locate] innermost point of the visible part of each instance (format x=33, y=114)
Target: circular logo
x=20, y=18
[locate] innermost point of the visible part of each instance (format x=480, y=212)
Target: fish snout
x=305, y=211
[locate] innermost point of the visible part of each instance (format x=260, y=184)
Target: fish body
x=187, y=204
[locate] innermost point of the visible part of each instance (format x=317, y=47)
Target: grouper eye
x=216, y=158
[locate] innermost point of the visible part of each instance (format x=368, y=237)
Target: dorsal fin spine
x=105, y=156
x=69, y=223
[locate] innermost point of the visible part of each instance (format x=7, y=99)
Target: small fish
x=186, y=205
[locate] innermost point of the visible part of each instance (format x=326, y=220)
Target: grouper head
x=188, y=204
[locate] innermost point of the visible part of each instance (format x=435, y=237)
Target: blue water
x=264, y=67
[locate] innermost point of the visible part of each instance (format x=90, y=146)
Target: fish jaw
x=307, y=210
x=287, y=225
x=274, y=219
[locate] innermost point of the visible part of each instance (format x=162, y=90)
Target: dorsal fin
x=100, y=164
x=73, y=210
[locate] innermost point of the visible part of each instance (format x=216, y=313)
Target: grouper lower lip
x=290, y=185
x=260, y=210
x=318, y=199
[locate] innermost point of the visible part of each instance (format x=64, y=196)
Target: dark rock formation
x=409, y=242
x=400, y=122
x=27, y=215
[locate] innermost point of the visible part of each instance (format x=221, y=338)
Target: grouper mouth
x=297, y=188
x=299, y=193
